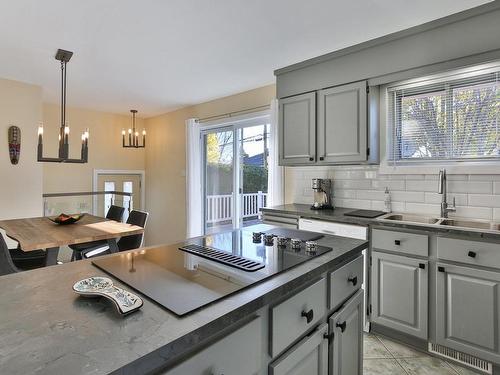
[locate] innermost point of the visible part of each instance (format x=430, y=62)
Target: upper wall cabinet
x=338, y=128
x=342, y=124
x=297, y=130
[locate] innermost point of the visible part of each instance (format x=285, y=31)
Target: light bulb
x=136, y=134
x=86, y=134
x=123, y=132
x=40, y=129
x=130, y=131
x=144, y=132
x=66, y=130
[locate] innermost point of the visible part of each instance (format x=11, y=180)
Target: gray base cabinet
x=399, y=293
x=346, y=338
x=468, y=310
x=308, y=357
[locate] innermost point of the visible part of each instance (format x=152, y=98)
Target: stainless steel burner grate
x=223, y=257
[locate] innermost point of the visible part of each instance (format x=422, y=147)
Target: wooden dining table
x=41, y=233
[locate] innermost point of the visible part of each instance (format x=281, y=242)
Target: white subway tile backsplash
x=422, y=185
x=484, y=200
x=408, y=196
x=352, y=184
x=391, y=184
x=370, y=194
x=344, y=193
x=496, y=188
x=473, y=212
x=422, y=208
x=479, y=187
x=460, y=199
x=496, y=214
x=362, y=187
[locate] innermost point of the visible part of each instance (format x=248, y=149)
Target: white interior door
x=127, y=183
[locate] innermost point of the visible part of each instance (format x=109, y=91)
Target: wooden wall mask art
x=14, y=144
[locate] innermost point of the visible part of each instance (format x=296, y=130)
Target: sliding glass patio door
x=235, y=173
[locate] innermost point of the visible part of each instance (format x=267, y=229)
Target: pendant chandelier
x=133, y=135
x=63, y=156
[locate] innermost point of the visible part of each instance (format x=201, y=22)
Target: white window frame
x=387, y=166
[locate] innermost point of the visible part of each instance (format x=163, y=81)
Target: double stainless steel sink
x=468, y=224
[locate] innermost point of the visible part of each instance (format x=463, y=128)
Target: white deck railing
x=220, y=207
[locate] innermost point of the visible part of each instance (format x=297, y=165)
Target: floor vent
x=465, y=359
x=223, y=257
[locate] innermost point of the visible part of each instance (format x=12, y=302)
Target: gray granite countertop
x=338, y=215
x=45, y=328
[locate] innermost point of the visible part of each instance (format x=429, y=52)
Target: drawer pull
x=329, y=336
x=321, y=158
x=441, y=269
x=421, y=266
x=471, y=254
x=311, y=159
x=342, y=326
x=353, y=280
x=397, y=242
x=309, y=315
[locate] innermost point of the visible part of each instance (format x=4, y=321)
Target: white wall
x=21, y=185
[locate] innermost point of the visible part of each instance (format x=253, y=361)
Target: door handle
x=309, y=315
x=471, y=254
x=353, y=280
x=342, y=326
x=311, y=159
x=421, y=265
x=397, y=242
x=321, y=158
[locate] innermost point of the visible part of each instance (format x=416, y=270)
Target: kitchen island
x=45, y=328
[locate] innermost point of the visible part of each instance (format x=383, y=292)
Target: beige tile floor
x=383, y=356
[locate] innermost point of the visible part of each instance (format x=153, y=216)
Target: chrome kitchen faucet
x=445, y=207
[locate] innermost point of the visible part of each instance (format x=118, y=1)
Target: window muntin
x=455, y=119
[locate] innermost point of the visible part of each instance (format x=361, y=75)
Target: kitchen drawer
x=291, y=318
x=471, y=252
x=282, y=220
x=332, y=228
x=401, y=242
x=345, y=281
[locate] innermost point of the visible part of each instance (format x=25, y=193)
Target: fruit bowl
x=64, y=219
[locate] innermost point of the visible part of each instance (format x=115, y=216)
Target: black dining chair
x=114, y=213
x=24, y=260
x=7, y=266
x=131, y=242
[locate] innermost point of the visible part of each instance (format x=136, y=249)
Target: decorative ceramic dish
x=97, y=286
x=64, y=219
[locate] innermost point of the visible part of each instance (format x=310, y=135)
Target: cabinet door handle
x=441, y=269
x=342, y=326
x=471, y=254
x=311, y=159
x=329, y=336
x=421, y=266
x=353, y=280
x=309, y=315
x=397, y=242
x=321, y=158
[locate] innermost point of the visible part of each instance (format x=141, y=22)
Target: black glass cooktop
x=182, y=282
